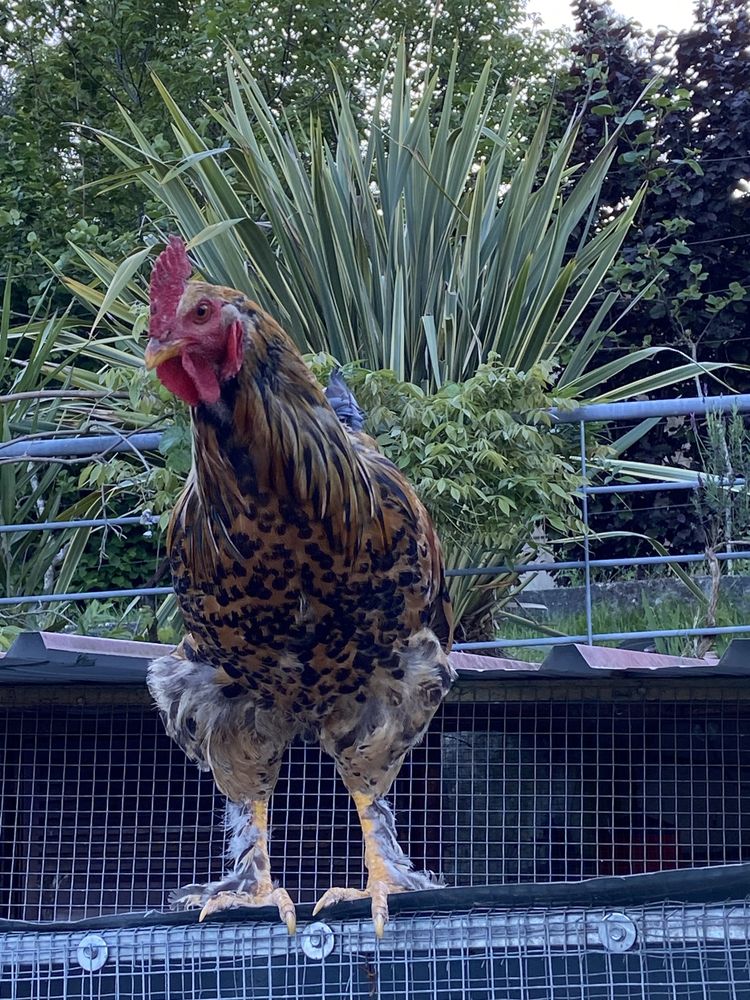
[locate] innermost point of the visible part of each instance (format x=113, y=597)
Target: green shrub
x=482, y=456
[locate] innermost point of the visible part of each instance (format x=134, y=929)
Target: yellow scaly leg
x=388, y=868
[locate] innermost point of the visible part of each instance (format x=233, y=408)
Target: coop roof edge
x=723, y=884
x=65, y=658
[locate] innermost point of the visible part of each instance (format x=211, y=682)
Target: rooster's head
x=196, y=330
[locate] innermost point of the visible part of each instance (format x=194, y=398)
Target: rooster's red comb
x=171, y=271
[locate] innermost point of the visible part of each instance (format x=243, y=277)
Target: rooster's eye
x=202, y=311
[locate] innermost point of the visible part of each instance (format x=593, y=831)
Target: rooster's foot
x=233, y=892
x=230, y=899
x=377, y=890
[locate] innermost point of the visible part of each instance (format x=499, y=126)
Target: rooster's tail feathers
x=342, y=400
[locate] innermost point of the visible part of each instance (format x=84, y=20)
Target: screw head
x=617, y=932
x=92, y=952
x=317, y=941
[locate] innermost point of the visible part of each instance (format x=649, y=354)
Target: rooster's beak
x=158, y=352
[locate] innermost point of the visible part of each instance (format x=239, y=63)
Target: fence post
x=586, y=544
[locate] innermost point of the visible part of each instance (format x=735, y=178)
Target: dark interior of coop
x=531, y=780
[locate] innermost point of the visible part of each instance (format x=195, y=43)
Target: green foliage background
x=67, y=64
x=687, y=252
x=680, y=283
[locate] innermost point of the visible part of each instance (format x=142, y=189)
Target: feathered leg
x=249, y=883
x=389, y=869
x=243, y=749
x=369, y=740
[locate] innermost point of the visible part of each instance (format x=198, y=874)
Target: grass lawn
x=669, y=613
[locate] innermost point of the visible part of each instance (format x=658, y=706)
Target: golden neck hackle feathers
x=274, y=432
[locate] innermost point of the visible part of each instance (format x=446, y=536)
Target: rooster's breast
x=273, y=605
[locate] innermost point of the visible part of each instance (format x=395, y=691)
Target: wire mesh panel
x=567, y=784
x=100, y=813
x=661, y=952
x=96, y=812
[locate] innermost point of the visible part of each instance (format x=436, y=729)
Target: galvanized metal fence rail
x=104, y=446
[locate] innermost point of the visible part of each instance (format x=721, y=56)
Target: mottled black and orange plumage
x=309, y=576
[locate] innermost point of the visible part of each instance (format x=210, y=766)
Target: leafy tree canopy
x=72, y=62
x=690, y=139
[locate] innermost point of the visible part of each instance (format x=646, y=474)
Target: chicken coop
x=536, y=791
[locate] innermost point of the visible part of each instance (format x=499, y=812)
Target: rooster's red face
x=196, y=330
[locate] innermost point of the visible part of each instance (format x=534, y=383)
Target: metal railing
x=103, y=446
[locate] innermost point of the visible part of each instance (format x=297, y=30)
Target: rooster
x=310, y=580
